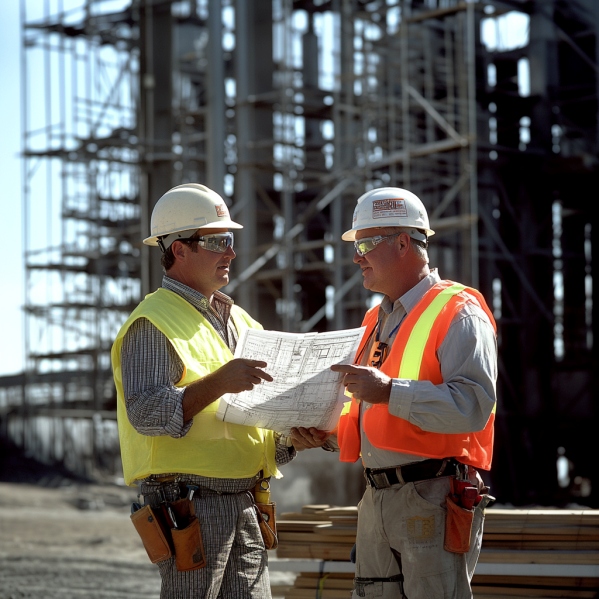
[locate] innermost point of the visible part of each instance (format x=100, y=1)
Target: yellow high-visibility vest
x=211, y=448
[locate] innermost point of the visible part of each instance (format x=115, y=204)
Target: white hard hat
x=390, y=207
x=184, y=209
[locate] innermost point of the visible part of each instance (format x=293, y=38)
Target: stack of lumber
x=560, y=540
x=318, y=532
x=526, y=552
x=309, y=585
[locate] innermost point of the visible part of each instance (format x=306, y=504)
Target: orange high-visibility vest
x=413, y=355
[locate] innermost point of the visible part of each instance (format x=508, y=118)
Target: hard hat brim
x=350, y=235
x=219, y=224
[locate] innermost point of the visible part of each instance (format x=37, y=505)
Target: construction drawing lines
x=304, y=391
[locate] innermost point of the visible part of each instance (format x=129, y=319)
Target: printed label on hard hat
x=221, y=210
x=385, y=208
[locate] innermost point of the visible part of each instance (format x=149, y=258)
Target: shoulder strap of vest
x=422, y=320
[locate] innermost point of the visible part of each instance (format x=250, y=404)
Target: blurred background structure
x=292, y=109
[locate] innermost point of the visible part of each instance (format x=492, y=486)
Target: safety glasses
x=217, y=242
x=363, y=246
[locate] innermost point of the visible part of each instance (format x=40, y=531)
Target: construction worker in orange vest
x=422, y=410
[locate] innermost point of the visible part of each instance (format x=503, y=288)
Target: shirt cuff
x=177, y=427
x=401, y=398
x=283, y=453
x=283, y=440
x=331, y=444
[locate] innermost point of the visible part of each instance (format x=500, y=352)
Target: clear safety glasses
x=217, y=242
x=363, y=246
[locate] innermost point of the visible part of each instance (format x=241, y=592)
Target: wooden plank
x=342, y=521
x=335, y=530
x=590, y=516
x=297, y=525
x=318, y=517
x=517, y=545
x=501, y=556
x=295, y=593
x=337, y=575
x=323, y=582
x=312, y=508
x=581, y=533
x=522, y=594
x=503, y=591
x=280, y=590
x=345, y=512
x=590, y=535
x=310, y=537
x=325, y=551
x=552, y=582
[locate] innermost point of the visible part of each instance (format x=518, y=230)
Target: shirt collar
x=409, y=299
x=195, y=298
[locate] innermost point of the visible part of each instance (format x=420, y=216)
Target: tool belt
x=265, y=512
x=464, y=496
x=168, y=526
x=383, y=478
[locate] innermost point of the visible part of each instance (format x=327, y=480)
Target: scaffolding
x=292, y=109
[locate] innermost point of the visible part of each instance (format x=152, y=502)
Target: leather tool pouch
x=458, y=527
x=189, y=548
x=153, y=533
x=265, y=512
x=187, y=537
x=267, y=520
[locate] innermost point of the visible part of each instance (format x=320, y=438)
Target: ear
x=179, y=250
x=403, y=241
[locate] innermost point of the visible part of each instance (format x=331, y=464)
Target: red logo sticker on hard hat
x=221, y=210
x=385, y=208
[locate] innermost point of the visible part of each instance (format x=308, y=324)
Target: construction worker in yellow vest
x=423, y=389
x=172, y=361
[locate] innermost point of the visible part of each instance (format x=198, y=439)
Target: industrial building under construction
x=291, y=109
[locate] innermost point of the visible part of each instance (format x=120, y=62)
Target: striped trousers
x=237, y=561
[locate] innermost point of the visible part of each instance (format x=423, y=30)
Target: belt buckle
x=379, y=480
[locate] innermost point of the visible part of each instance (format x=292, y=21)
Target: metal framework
x=292, y=109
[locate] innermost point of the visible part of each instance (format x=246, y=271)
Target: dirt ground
x=71, y=541
x=69, y=538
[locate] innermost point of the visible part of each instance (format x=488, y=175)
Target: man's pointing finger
x=345, y=368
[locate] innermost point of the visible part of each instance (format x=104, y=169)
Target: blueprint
x=304, y=391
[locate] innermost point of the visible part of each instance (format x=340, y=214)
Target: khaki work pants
x=410, y=519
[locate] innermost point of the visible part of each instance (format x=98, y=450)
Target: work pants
x=237, y=561
x=410, y=519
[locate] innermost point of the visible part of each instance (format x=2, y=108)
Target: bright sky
x=11, y=297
